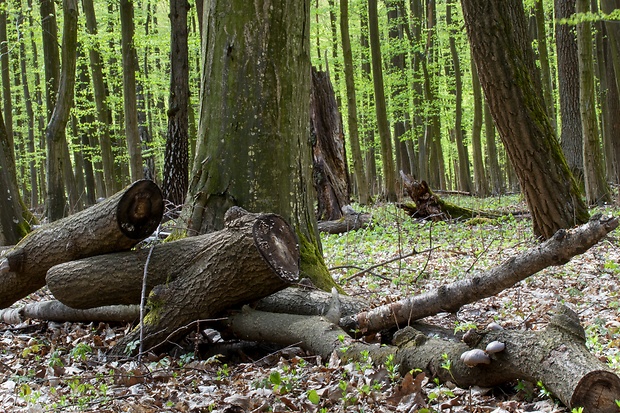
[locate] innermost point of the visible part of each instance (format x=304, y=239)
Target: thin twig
x=372, y=267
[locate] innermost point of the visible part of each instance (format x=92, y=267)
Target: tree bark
x=176, y=157
x=557, y=355
x=255, y=256
x=99, y=89
x=56, y=311
x=130, y=106
x=480, y=177
x=253, y=146
x=117, y=223
x=354, y=140
x=503, y=54
x=557, y=250
x=389, y=172
x=568, y=88
x=330, y=174
x=596, y=188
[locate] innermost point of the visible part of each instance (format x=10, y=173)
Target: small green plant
x=391, y=367
x=577, y=410
x=543, y=390
x=313, y=397
x=464, y=327
x=223, y=372
x=446, y=364
x=55, y=360
x=80, y=352
x=186, y=359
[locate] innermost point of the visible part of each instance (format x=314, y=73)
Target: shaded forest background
x=438, y=127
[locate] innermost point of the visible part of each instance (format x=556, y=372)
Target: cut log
x=251, y=258
x=428, y=205
x=118, y=223
x=117, y=278
x=556, y=356
x=558, y=250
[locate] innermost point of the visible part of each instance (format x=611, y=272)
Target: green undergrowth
x=471, y=245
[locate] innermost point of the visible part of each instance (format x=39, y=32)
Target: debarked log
x=556, y=356
x=115, y=224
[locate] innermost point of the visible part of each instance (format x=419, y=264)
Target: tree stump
x=117, y=223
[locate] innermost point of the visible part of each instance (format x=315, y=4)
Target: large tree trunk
x=118, y=223
x=253, y=147
x=557, y=355
x=253, y=257
x=503, y=54
x=330, y=174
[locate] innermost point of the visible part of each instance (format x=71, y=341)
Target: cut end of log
x=277, y=243
x=597, y=392
x=140, y=209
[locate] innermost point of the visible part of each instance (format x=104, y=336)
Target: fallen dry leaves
x=46, y=366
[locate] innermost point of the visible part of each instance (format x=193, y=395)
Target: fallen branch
x=558, y=250
x=56, y=311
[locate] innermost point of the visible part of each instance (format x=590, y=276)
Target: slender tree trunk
x=502, y=51
x=176, y=156
x=463, y=155
x=495, y=171
x=6, y=84
x=543, y=55
x=354, y=140
x=99, y=89
x=389, y=173
x=130, y=63
x=369, y=135
x=597, y=190
x=480, y=177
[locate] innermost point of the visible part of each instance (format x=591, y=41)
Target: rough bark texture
x=503, y=54
x=177, y=142
x=330, y=175
x=115, y=224
x=348, y=222
x=556, y=251
x=130, y=104
x=557, y=356
x=568, y=87
x=117, y=278
x=253, y=148
x=257, y=256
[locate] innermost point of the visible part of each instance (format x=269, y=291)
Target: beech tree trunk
x=118, y=223
x=253, y=257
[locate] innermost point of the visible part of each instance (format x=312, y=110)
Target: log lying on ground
x=117, y=223
x=252, y=257
x=558, y=250
x=429, y=205
x=117, y=278
x=349, y=221
x=557, y=355
x=54, y=310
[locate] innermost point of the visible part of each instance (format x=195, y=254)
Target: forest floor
x=46, y=366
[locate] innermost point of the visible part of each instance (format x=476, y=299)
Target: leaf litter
x=62, y=367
